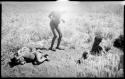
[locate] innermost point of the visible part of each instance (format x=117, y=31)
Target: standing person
x=55, y=18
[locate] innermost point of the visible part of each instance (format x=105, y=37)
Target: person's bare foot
x=52, y=49
x=59, y=48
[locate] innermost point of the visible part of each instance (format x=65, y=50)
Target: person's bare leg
x=59, y=39
x=53, y=40
x=40, y=58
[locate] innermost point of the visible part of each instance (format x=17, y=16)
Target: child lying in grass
x=35, y=57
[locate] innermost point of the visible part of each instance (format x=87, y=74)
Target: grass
x=32, y=29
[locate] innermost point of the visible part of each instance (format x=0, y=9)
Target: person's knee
x=60, y=36
x=55, y=36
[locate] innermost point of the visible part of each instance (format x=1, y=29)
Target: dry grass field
x=27, y=24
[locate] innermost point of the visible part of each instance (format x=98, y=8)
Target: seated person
x=35, y=57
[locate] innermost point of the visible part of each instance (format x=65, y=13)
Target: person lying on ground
x=35, y=57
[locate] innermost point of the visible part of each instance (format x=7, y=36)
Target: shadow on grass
x=41, y=48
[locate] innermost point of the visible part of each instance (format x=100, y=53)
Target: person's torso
x=55, y=22
x=56, y=17
x=29, y=56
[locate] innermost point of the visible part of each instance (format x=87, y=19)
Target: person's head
x=56, y=13
x=18, y=59
x=15, y=59
x=85, y=55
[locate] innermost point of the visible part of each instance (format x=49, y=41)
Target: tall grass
x=30, y=28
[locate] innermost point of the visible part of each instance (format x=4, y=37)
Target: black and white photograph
x=62, y=39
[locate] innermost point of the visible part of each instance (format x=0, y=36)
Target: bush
x=95, y=47
x=119, y=42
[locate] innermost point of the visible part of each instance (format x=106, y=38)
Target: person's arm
x=18, y=57
x=19, y=54
x=50, y=15
x=63, y=20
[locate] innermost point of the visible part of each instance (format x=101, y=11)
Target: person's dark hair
x=13, y=62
